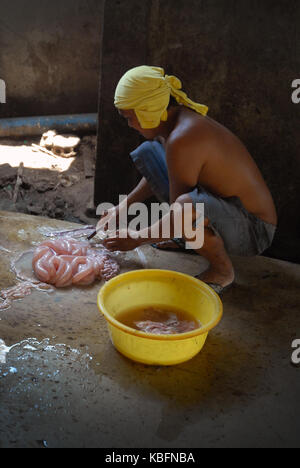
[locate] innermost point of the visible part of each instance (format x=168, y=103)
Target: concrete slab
x=62, y=384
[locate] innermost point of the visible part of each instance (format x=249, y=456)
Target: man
x=189, y=158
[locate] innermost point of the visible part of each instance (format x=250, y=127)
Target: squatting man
x=190, y=158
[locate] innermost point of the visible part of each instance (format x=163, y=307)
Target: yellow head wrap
x=147, y=90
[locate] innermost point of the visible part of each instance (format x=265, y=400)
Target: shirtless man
x=190, y=158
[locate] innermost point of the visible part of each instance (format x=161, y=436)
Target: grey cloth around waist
x=243, y=233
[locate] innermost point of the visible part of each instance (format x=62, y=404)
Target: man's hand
x=118, y=241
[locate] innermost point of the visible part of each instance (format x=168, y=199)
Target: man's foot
x=173, y=245
x=218, y=289
x=216, y=279
x=167, y=245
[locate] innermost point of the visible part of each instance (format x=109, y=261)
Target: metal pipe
x=33, y=126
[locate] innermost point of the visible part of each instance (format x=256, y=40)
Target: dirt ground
x=52, y=186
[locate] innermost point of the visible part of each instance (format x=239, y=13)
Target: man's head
x=143, y=96
x=133, y=122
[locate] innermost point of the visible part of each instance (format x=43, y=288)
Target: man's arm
x=183, y=177
x=184, y=165
x=140, y=194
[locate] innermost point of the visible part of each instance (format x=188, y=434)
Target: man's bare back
x=216, y=159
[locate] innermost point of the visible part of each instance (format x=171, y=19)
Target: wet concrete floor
x=62, y=383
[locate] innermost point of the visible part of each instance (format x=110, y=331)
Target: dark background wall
x=50, y=56
x=239, y=57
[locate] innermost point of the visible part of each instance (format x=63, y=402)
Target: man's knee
x=142, y=151
x=186, y=199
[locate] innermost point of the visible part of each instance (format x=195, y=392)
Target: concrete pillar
x=124, y=46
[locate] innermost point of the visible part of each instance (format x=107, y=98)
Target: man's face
x=133, y=122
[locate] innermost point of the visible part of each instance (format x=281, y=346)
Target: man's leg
x=221, y=270
x=150, y=159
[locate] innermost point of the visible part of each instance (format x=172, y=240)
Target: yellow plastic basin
x=155, y=288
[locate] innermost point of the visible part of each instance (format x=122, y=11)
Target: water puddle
x=3, y=249
x=76, y=233
x=26, y=281
x=4, y=350
x=49, y=356
x=17, y=276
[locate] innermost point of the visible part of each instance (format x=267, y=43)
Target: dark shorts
x=242, y=232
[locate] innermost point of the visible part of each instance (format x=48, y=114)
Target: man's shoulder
x=189, y=133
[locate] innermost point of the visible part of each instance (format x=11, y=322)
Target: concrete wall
x=50, y=56
x=238, y=57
